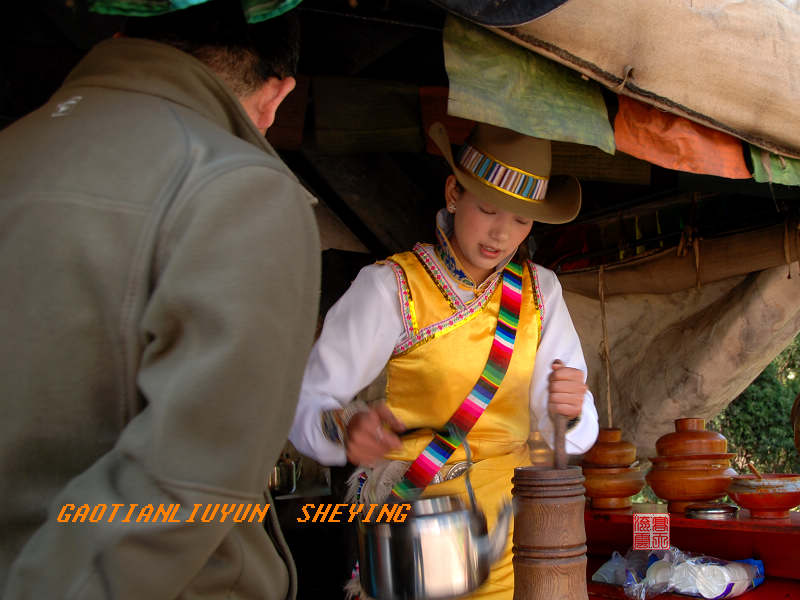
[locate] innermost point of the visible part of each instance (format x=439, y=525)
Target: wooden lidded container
x=691, y=437
x=610, y=450
x=611, y=475
x=692, y=465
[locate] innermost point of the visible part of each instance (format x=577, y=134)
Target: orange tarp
x=675, y=142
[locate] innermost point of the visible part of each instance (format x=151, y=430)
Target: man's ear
x=262, y=104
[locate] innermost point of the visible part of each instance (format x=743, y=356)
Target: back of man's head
x=216, y=33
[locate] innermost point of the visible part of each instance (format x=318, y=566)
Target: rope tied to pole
x=605, y=352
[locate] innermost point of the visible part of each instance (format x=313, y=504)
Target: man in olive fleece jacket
x=160, y=270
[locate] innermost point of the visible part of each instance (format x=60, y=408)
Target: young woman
x=470, y=333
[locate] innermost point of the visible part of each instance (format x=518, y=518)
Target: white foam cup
x=683, y=579
x=659, y=572
x=712, y=580
x=723, y=581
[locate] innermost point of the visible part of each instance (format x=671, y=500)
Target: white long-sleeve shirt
x=362, y=329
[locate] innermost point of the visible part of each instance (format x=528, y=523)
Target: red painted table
x=775, y=542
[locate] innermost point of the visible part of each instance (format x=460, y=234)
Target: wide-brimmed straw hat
x=512, y=171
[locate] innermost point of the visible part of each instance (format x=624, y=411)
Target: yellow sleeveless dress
x=430, y=373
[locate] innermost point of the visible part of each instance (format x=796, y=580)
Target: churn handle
x=560, y=455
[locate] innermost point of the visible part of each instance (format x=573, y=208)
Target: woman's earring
x=451, y=208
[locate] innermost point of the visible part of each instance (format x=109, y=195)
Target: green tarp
x=768, y=167
x=495, y=81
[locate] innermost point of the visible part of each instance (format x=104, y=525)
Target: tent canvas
x=731, y=65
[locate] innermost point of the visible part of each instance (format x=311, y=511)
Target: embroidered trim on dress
x=439, y=278
x=448, y=258
x=409, y=315
x=458, y=318
x=443, y=327
x=537, y=296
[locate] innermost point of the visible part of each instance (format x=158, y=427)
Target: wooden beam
x=309, y=175
x=378, y=193
x=359, y=115
x=333, y=233
x=714, y=260
x=592, y=164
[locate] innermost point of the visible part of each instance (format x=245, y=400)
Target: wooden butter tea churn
x=549, y=533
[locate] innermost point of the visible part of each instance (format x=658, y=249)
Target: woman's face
x=483, y=234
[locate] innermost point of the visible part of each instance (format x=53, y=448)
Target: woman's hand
x=566, y=391
x=368, y=438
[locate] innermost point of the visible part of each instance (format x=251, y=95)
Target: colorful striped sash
x=427, y=464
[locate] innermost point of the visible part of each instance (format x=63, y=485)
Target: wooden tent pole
x=665, y=272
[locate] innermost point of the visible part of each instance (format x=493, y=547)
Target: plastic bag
x=612, y=571
x=650, y=573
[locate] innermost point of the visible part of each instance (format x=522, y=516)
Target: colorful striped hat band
x=505, y=178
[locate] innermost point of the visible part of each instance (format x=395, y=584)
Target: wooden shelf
x=775, y=542
x=771, y=589
x=741, y=522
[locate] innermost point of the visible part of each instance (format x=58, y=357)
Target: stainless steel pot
x=441, y=550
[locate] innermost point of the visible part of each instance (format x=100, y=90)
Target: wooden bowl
x=681, y=487
x=691, y=437
x=612, y=487
x=769, y=498
x=694, y=461
x=610, y=450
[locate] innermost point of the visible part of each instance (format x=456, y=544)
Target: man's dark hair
x=216, y=33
